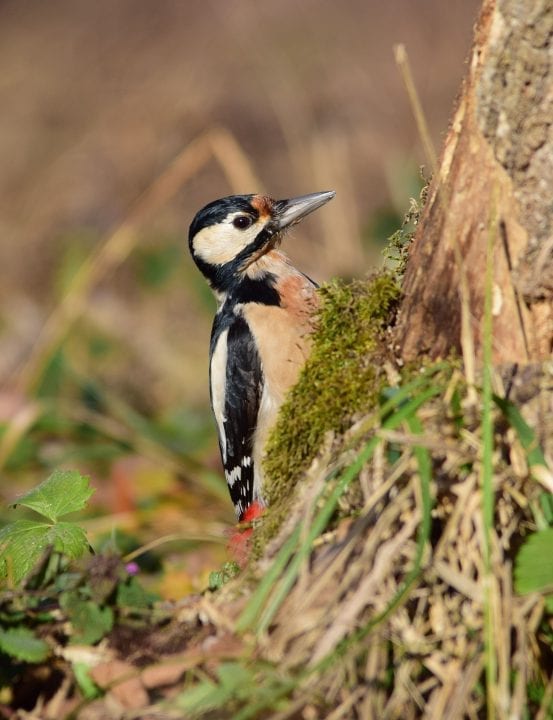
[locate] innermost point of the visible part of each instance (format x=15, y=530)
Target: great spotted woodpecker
x=260, y=337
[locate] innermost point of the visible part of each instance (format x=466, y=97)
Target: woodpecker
x=260, y=336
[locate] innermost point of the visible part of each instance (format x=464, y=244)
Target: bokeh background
x=119, y=120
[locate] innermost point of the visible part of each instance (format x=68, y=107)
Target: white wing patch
x=233, y=475
x=218, y=382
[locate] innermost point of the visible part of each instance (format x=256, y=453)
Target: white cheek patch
x=221, y=243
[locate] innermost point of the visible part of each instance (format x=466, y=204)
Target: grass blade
x=487, y=472
x=253, y=608
x=404, y=412
x=525, y=434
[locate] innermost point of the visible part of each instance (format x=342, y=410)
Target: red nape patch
x=240, y=536
x=264, y=205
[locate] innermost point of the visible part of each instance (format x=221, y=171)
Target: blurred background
x=119, y=121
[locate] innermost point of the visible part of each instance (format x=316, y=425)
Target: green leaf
x=21, y=546
x=131, y=594
x=23, y=542
x=90, y=622
x=68, y=539
x=22, y=644
x=534, y=563
x=65, y=491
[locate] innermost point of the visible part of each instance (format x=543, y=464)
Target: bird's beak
x=292, y=211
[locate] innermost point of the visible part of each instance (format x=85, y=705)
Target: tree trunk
x=495, y=176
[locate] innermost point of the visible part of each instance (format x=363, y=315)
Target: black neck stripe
x=259, y=290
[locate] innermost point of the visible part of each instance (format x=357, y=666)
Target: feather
x=243, y=384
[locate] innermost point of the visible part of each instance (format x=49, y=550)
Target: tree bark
x=495, y=176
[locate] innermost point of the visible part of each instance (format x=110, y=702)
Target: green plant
x=533, y=567
x=48, y=597
x=24, y=542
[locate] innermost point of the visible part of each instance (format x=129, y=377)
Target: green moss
x=396, y=253
x=342, y=377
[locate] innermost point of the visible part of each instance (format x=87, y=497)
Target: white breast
x=267, y=415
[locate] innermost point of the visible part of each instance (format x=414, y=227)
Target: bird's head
x=230, y=234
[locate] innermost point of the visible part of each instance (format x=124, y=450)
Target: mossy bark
x=495, y=176
x=341, y=379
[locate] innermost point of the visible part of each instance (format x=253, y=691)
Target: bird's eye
x=242, y=222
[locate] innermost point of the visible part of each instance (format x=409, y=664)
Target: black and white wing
x=236, y=378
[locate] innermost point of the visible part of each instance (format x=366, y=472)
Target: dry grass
x=354, y=651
